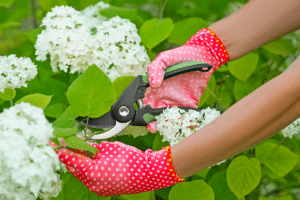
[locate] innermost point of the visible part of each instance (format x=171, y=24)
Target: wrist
x=211, y=45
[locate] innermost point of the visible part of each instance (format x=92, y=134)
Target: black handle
x=137, y=87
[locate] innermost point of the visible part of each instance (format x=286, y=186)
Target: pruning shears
x=123, y=113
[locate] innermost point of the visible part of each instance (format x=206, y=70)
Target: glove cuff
x=170, y=165
x=208, y=38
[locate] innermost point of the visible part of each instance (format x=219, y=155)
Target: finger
x=152, y=127
x=156, y=72
x=75, y=160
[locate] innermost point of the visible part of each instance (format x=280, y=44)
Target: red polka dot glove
x=118, y=168
x=185, y=89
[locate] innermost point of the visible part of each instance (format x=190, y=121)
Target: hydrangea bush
x=52, y=54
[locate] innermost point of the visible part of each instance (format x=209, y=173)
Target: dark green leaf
x=64, y=132
x=92, y=93
x=158, y=144
x=6, y=3
x=75, y=142
x=65, y=120
x=185, y=29
x=211, y=86
x=155, y=31
x=54, y=110
x=242, y=89
x=140, y=196
x=47, y=5
x=121, y=83
x=219, y=185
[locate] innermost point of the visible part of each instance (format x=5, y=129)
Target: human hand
x=119, y=169
x=185, y=89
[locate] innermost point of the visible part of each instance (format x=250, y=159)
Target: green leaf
x=121, y=83
x=113, y=11
x=158, y=144
x=154, y=31
x=211, y=86
x=32, y=35
x=185, y=29
x=8, y=94
x=279, y=161
x=219, y=185
x=6, y=3
x=243, y=175
x=242, y=89
x=224, y=68
x=92, y=93
x=75, y=142
x=280, y=47
x=64, y=132
x=74, y=189
x=47, y=5
x=192, y=190
x=140, y=196
x=54, y=110
x=38, y=100
x=285, y=197
x=65, y=120
x=135, y=131
x=225, y=97
x=203, y=173
x=243, y=67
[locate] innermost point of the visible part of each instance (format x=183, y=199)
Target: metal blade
x=105, y=121
x=114, y=131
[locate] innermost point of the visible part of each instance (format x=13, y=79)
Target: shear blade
x=114, y=131
x=103, y=122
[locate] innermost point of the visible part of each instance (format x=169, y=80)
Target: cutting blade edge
x=103, y=122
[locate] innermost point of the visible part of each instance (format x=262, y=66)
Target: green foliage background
x=268, y=170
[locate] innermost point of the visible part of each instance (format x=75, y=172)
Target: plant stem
x=33, y=12
x=251, y=152
x=11, y=97
x=163, y=5
x=280, y=142
x=87, y=121
x=213, y=94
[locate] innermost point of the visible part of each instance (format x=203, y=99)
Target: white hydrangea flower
x=175, y=124
x=292, y=129
x=75, y=40
x=14, y=72
x=27, y=163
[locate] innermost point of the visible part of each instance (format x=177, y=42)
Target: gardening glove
x=119, y=169
x=185, y=89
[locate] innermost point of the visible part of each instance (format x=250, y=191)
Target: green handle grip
x=182, y=68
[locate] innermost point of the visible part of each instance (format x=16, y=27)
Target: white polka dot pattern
x=185, y=89
x=119, y=169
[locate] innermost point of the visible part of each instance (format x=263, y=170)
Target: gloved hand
x=121, y=169
x=185, y=89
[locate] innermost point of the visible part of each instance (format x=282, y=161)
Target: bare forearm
x=256, y=24
x=251, y=120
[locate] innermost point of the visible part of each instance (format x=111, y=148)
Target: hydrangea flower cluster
x=175, y=124
x=27, y=163
x=75, y=40
x=292, y=129
x=14, y=72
